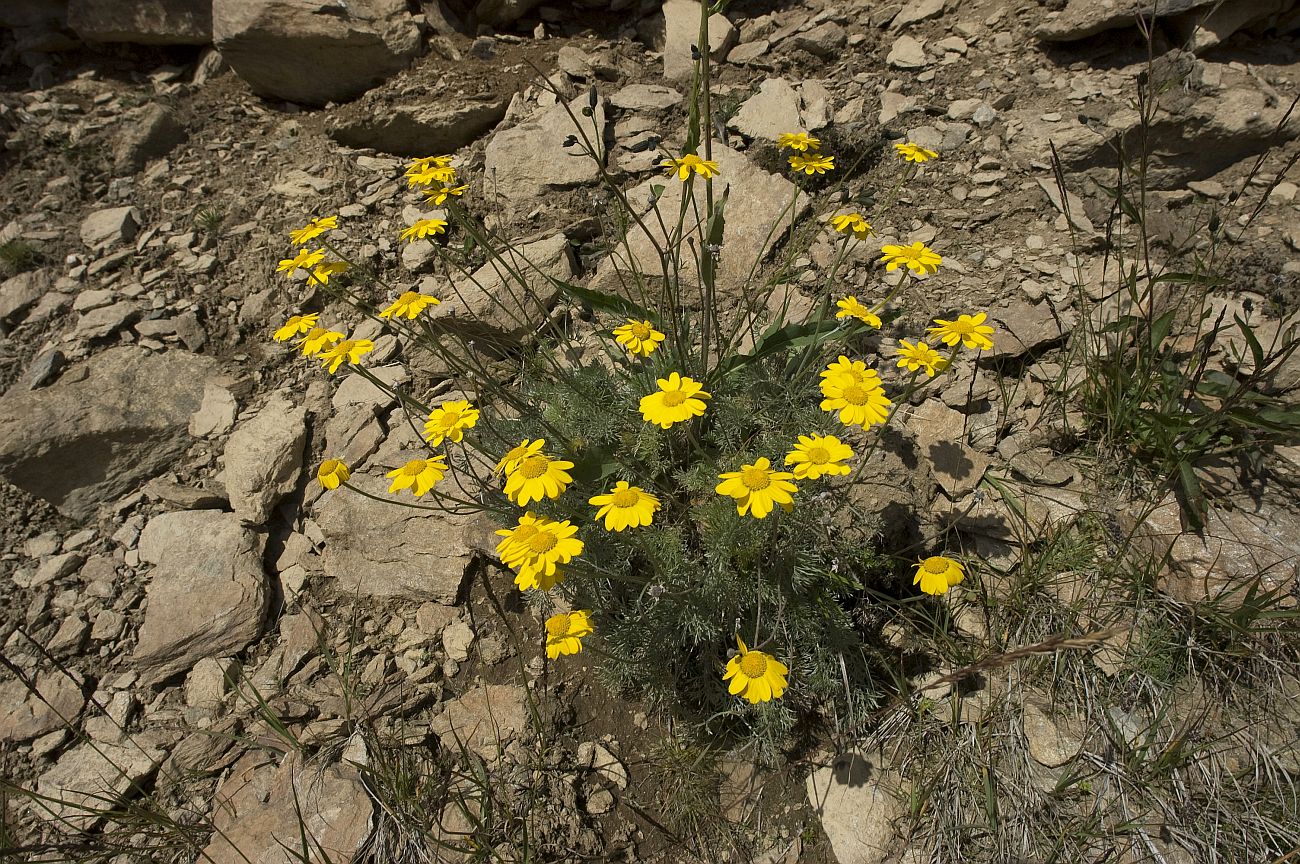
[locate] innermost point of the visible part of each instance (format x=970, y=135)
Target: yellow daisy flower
x=915, y=152
x=332, y=472
x=514, y=547
x=449, y=420
x=540, y=580
x=757, y=488
x=850, y=308
x=689, y=163
x=350, y=350
x=318, y=339
x=423, y=228
x=857, y=404
x=852, y=223
x=509, y=462
x=437, y=197
x=323, y=272
x=638, y=337
x=420, y=163
x=564, y=632
x=625, y=506
x=537, y=476
x=418, y=475
x=816, y=455
x=970, y=331
x=920, y=356
x=918, y=258
x=410, y=304
x=430, y=173
x=844, y=370
x=304, y=260
x=295, y=325
x=937, y=574
x=813, y=163
x=679, y=398
x=551, y=545
x=801, y=141
x=754, y=675
x=313, y=229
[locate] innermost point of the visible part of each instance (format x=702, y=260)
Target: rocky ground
x=192, y=628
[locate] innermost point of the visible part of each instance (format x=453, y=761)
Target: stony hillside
x=203, y=648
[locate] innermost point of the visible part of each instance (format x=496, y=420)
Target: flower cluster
x=807, y=156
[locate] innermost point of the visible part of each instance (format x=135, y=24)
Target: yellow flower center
x=962, y=327
x=524, y=532
x=755, y=479
x=855, y=395
x=753, y=664
x=449, y=419
x=818, y=455
x=673, y=398
x=641, y=331
x=413, y=467
x=557, y=626
x=542, y=541
x=534, y=467
x=624, y=498
x=935, y=564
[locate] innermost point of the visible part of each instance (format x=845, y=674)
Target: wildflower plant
x=687, y=483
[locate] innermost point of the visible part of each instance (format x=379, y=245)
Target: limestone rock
x=1083, y=18
x=18, y=293
x=907, y=53
x=749, y=212
x=1021, y=327
x=493, y=304
x=257, y=818
x=915, y=12
x=90, y=776
x=108, y=227
x=24, y=716
x=484, y=720
x=779, y=107
x=313, y=53
x=101, y=428
x=858, y=805
x=207, y=593
x=457, y=640
x=1051, y=743
x=216, y=412
x=151, y=133
x=528, y=160
x=417, y=129
x=646, y=97
x=264, y=459
x=382, y=550
x=144, y=22
x=679, y=29
x=33, y=13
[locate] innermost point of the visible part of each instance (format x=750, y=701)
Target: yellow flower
x=318, y=340
x=313, y=229
x=323, y=273
x=816, y=455
x=813, y=163
x=537, y=476
x=920, y=356
x=304, y=260
x=937, y=574
x=514, y=548
x=755, y=676
x=850, y=308
x=679, y=398
x=970, y=331
x=517, y=454
x=428, y=173
x=757, y=488
x=683, y=167
x=420, y=163
x=915, y=152
x=564, y=632
x=449, y=420
x=918, y=258
x=418, y=475
x=852, y=223
x=551, y=545
x=437, y=197
x=857, y=404
x=422, y=228
x=625, y=506
x=845, y=371
x=295, y=325
x=332, y=472
x=410, y=304
x=350, y=350
x=638, y=337
x=801, y=141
